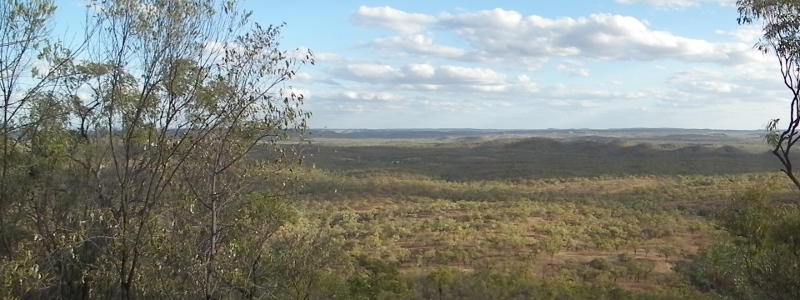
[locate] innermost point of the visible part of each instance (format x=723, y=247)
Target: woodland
x=163, y=155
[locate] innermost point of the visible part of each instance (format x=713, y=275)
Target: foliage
x=766, y=234
x=781, y=35
x=631, y=231
x=540, y=158
x=376, y=279
x=720, y=269
x=155, y=160
x=126, y=169
x=760, y=257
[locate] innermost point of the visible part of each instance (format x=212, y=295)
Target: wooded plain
x=617, y=209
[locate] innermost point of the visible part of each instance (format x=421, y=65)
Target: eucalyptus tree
x=781, y=37
x=766, y=231
x=24, y=32
x=182, y=92
x=131, y=163
x=33, y=66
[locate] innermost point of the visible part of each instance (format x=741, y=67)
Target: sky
x=529, y=64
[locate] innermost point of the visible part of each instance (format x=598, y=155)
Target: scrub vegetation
x=165, y=156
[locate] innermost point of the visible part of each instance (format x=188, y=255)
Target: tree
x=376, y=279
x=182, y=95
x=24, y=26
x=767, y=231
x=766, y=235
x=32, y=169
x=720, y=268
x=129, y=170
x=442, y=278
x=781, y=27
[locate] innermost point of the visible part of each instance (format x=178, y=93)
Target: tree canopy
x=126, y=169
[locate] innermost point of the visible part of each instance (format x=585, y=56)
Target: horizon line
x=535, y=129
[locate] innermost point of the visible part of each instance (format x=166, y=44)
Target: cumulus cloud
x=506, y=36
x=421, y=70
x=424, y=76
x=444, y=69
x=472, y=75
x=418, y=44
x=599, y=36
x=699, y=91
x=390, y=18
x=372, y=71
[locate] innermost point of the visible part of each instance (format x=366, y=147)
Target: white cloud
x=754, y=83
x=472, y=75
x=580, y=73
x=678, y=3
x=293, y=91
x=572, y=69
x=686, y=99
x=712, y=86
x=445, y=69
x=421, y=86
x=327, y=57
x=417, y=44
x=302, y=76
x=527, y=84
x=373, y=71
x=390, y=18
x=424, y=76
x=352, y=108
x=488, y=88
x=382, y=96
x=350, y=95
x=215, y=51
x=745, y=34
x=422, y=70
x=505, y=36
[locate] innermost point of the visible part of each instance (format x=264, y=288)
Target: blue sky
x=528, y=64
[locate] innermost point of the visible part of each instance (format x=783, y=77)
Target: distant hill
x=599, y=135
x=470, y=158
